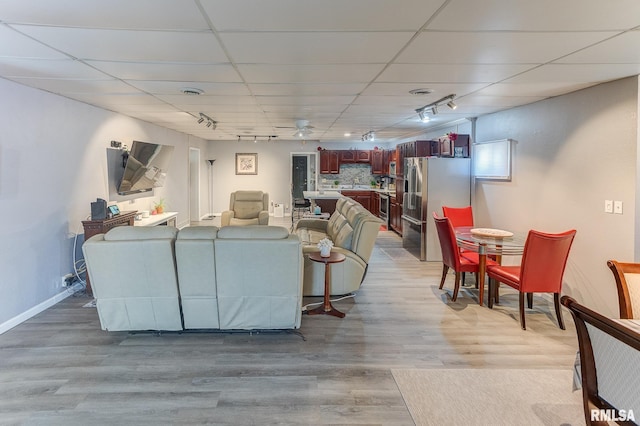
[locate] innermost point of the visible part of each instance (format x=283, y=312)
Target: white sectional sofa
x=353, y=230
x=159, y=278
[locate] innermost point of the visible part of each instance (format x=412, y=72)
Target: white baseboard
x=9, y=324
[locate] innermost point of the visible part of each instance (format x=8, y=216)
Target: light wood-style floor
x=60, y=368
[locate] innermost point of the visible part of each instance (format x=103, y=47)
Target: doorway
x=303, y=173
x=194, y=184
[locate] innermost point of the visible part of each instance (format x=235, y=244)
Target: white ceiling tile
x=181, y=99
x=138, y=14
x=65, y=87
x=325, y=15
x=424, y=74
x=311, y=47
x=495, y=47
x=174, y=87
x=214, y=73
x=48, y=68
x=315, y=74
x=149, y=46
x=14, y=44
x=531, y=89
x=306, y=89
x=538, y=15
x=109, y=100
x=622, y=49
x=304, y=100
x=576, y=73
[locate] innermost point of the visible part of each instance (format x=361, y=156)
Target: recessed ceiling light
x=421, y=91
x=347, y=134
x=191, y=91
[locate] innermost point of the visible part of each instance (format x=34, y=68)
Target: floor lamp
x=210, y=217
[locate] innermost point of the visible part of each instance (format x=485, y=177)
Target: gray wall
x=52, y=165
x=570, y=154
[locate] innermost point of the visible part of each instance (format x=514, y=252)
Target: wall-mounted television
x=145, y=168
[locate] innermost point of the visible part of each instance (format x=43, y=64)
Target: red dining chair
x=451, y=257
x=459, y=216
x=627, y=276
x=541, y=269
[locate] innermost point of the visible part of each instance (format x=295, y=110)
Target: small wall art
x=246, y=163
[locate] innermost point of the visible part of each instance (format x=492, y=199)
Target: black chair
x=300, y=207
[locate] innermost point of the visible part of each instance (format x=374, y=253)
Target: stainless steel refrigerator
x=429, y=184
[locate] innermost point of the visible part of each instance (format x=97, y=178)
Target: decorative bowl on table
x=491, y=233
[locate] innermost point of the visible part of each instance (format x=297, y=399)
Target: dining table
x=489, y=242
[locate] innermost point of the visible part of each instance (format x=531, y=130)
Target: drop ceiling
x=346, y=66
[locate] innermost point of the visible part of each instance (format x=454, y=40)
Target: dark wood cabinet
x=329, y=162
x=395, y=215
x=378, y=166
x=375, y=203
x=354, y=156
x=362, y=197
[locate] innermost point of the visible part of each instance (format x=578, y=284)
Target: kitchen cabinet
x=375, y=203
x=413, y=149
x=377, y=162
x=395, y=215
x=354, y=156
x=329, y=162
x=362, y=197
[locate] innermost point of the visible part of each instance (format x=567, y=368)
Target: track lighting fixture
x=210, y=121
x=422, y=112
x=257, y=137
x=369, y=136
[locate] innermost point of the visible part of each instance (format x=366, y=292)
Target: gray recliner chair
x=247, y=208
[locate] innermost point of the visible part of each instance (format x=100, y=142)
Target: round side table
x=327, y=308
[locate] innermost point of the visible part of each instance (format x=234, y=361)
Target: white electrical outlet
x=617, y=207
x=64, y=279
x=608, y=206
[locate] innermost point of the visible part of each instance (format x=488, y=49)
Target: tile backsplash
x=350, y=174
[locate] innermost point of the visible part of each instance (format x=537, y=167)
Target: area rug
x=490, y=397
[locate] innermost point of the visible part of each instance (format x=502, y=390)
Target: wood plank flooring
x=59, y=368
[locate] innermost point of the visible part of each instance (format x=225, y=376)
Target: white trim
x=17, y=320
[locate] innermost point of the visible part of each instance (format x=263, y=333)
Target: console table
x=101, y=226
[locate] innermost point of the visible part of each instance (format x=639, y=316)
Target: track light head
x=434, y=109
x=423, y=116
x=452, y=104
x=200, y=120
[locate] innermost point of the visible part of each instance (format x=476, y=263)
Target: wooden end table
x=327, y=308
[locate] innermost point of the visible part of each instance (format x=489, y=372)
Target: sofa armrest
x=263, y=217
x=227, y=215
x=313, y=224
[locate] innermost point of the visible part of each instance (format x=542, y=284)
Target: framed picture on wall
x=246, y=163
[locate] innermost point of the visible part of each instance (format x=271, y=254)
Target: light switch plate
x=608, y=206
x=617, y=207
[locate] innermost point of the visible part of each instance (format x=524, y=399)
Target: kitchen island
x=326, y=200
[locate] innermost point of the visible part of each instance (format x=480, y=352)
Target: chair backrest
x=627, y=277
x=544, y=260
x=447, y=237
x=459, y=216
x=609, y=359
x=248, y=204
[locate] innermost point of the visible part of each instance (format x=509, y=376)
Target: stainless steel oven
x=383, y=212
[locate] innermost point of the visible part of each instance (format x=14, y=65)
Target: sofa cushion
x=344, y=237
x=247, y=209
x=253, y=232
x=198, y=233
x=122, y=233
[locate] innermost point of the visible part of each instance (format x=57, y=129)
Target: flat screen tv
x=146, y=167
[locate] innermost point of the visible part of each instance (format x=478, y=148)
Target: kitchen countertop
x=337, y=192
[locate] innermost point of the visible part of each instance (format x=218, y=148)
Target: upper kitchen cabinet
x=354, y=156
x=329, y=162
x=378, y=165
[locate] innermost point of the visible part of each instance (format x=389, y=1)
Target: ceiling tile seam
x=232, y=62
x=398, y=53
x=550, y=62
